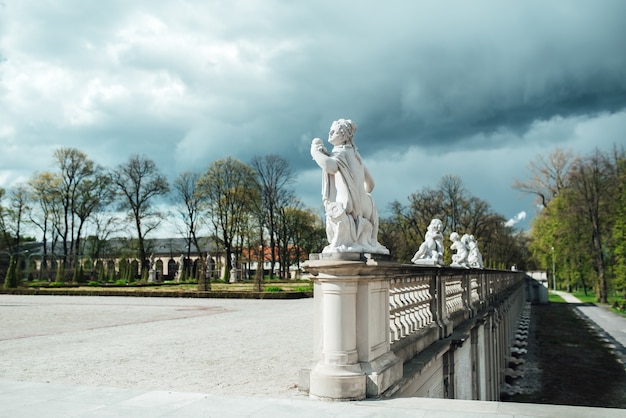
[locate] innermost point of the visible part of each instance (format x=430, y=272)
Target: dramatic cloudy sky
x=472, y=88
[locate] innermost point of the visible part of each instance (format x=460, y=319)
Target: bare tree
x=75, y=169
x=454, y=197
x=139, y=182
x=93, y=195
x=460, y=212
x=189, y=202
x=103, y=225
x=548, y=176
x=275, y=178
x=12, y=218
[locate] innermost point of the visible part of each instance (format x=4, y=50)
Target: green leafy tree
x=228, y=187
x=619, y=227
x=46, y=201
x=290, y=225
x=308, y=236
x=581, y=223
x=592, y=187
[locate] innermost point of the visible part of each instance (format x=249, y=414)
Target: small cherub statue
x=431, y=250
x=474, y=258
x=460, y=258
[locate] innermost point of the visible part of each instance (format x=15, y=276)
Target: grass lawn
x=218, y=286
x=553, y=297
x=615, y=301
x=296, y=286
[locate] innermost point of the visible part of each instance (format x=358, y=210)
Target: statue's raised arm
x=351, y=216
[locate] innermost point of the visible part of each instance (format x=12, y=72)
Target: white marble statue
x=474, y=258
x=181, y=266
x=351, y=216
x=431, y=250
x=151, y=269
x=209, y=265
x=462, y=251
x=151, y=262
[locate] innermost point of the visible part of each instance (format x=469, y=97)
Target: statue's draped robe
x=351, y=217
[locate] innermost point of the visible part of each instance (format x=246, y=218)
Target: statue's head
x=341, y=132
x=454, y=236
x=435, y=225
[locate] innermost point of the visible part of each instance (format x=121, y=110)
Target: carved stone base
x=426, y=262
x=460, y=266
x=342, y=383
x=382, y=373
x=349, y=256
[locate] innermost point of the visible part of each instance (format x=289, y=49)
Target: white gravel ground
x=217, y=346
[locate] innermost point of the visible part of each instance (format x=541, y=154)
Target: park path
x=611, y=325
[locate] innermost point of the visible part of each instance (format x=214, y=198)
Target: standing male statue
x=351, y=216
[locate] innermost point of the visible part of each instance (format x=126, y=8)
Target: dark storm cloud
x=495, y=71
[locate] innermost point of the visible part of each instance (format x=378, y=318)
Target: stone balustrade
x=373, y=315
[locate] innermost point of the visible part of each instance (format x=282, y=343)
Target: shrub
x=273, y=289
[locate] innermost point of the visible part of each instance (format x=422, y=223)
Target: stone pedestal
x=235, y=275
x=152, y=276
x=428, y=262
x=351, y=329
x=203, y=284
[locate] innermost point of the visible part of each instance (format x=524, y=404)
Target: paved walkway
x=610, y=326
x=152, y=357
x=31, y=400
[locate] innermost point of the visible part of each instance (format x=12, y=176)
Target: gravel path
x=217, y=346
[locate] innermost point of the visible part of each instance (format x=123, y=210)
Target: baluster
x=406, y=327
x=413, y=309
x=423, y=303
x=394, y=330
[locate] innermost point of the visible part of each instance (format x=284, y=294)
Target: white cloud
x=517, y=218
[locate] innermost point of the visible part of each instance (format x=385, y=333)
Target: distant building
x=165, y=255
x=116, y=253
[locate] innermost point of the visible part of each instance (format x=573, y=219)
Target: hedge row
x=160, y=294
